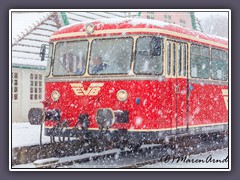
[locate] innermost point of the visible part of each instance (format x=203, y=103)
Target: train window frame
x=50, y=59
x=182, y=72
x=179, y=53
x=161, y=55
x=200, y=54
x=185, y=59
x=174, y=59
x=105, y=74
x=222, y=60
x=169, y=57
x=174, y=43
x=86, y=58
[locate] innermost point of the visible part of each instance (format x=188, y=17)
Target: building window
x=15, y=86
x=182, y=23
x=151, y=12
x=150, y=16
x=36, y=86
x=167, y=18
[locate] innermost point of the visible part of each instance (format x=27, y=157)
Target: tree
x=215, y=25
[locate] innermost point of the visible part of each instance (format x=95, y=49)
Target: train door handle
x=177, y=89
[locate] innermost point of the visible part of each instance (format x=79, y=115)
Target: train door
x=177, y=70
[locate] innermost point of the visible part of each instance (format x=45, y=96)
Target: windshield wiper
x=64, y=66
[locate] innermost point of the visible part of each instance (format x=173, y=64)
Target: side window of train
x=200, y=62
x=168, y=58
x=184, y=56
x=182, y=59
x=179, y=59
x=149, y=58
x=219, y=65
x=176, y=55
x=174, y=60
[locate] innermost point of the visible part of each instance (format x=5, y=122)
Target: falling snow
x=152, y=107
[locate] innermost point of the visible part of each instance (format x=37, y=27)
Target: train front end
x=95, y=88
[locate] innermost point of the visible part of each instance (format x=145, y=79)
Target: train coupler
x=36, y=116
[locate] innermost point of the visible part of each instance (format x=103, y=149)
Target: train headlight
x=122, y=95
x=105, y=118
x=55, y=95
x=89, y=28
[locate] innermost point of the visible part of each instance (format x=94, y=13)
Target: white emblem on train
x=92, y=90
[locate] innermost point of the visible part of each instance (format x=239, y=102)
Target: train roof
x=126, y=26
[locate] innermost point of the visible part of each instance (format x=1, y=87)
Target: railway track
x=88, y=157
x=127, y=159
x=28, y=154
x=148, y=156
x=171, y=158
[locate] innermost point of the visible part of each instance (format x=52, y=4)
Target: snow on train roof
x=121, y=23
x=133, y=21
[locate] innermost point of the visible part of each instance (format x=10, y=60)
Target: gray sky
x=203, y=15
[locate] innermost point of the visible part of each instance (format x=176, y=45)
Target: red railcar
x=134, y=79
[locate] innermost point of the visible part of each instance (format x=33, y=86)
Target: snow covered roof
x=74, y=17
x=24, y=22
x=32, y=29
x=29, y=31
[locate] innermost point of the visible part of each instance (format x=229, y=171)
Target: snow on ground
x=205, y=160
x=213, y=159
x=25, y=134
x=219, y=155
x=66, y=159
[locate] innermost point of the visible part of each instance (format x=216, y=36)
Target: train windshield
x=70, y=58
x=219, y=65
x=149, y=59
x=111, y=56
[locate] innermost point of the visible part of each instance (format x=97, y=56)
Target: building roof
x=75, y=17
x=32, y=29
x=29, y=32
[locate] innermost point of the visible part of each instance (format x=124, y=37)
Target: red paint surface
x=160, y=107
